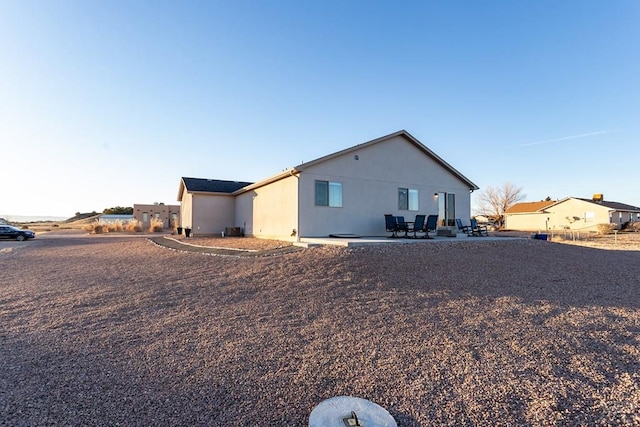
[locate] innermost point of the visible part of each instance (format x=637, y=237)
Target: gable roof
x=202, y=185
x=410, y=138
x=403, y=133
x=533, y=207
x=616, y=206
x=529, y=207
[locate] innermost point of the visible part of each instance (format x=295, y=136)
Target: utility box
x=232, y=232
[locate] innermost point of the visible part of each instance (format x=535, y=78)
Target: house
x=168, y=214
x=208, y=206
x=570, y=213
x=347, y=192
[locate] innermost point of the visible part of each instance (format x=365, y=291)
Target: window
x=407, y=199
x=329, y=194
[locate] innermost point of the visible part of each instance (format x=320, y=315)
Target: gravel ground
x=118, y=331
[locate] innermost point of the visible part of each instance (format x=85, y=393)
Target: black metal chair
x=478, y=230
x=391, y=225
x=402, y=225
x=431, y=225
x=418, y=225
x=464, y=228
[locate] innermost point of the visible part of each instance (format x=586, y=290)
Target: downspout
x=298, y=207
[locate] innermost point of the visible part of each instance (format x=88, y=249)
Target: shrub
x=95, y=227
x=115, y=226
x=604, y=229
x=134, y=226
x=156, y=226
x=633, y=226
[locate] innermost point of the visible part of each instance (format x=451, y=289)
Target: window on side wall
x=329, y=193
x=407, y=199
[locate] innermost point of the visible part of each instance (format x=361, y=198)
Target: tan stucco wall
x=526, y=222
x=212, y=213
x=370, y=189
x=588, y=215
x=165, y=212
x=186, y=201
x=269, y=211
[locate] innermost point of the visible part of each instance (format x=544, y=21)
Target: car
x=11, y=232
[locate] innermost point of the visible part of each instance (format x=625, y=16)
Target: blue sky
x=109, y=103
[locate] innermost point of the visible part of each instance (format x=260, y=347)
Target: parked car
x=11, y=232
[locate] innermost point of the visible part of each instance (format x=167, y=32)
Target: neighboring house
x=112, y=218
x=347, y=192
x=570, y=213
x=168, y=214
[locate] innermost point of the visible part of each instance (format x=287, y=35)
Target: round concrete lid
x=333, y=411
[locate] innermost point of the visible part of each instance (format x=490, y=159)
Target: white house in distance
x=570, y=213
x=347, y=192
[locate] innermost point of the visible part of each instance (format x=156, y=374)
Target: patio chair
x=418, y=225
x=402, y=225
x=391, y=225
x=478, y=230
x=431, y=225
x=464, y=228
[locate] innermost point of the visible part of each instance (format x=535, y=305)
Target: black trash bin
x=179, y=229
x=187, y=232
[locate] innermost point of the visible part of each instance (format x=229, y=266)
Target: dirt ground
x=114, y=330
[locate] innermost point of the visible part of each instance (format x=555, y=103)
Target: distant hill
x=29, y=218
x=83, y=217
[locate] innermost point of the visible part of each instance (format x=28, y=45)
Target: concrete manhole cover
x=347, y=411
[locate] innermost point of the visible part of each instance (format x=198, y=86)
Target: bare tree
x=494, y=201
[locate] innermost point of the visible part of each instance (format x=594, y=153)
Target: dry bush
x=633, y=226
x=95, y=227
x=604, y=229
x=113, y=227
x=156, y=226
x=134, y=226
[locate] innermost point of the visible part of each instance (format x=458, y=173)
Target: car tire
x=20, y=238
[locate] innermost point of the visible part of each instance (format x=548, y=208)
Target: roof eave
x=408, y=137
x=181, y=188
x=284, y=174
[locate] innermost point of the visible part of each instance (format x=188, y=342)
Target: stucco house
x=168, y=214
x=570, y=213
x=347, y=192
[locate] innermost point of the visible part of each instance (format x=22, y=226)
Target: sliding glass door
x=447, y=209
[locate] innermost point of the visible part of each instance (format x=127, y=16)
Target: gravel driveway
x=106, y=331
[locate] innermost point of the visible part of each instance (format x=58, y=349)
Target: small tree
x=494, y=201
x=118, y=210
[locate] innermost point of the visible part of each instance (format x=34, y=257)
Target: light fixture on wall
x=356, y=157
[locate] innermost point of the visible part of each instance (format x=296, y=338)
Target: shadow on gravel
x=182, y=247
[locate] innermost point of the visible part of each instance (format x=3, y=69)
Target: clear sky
x=109, y=102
